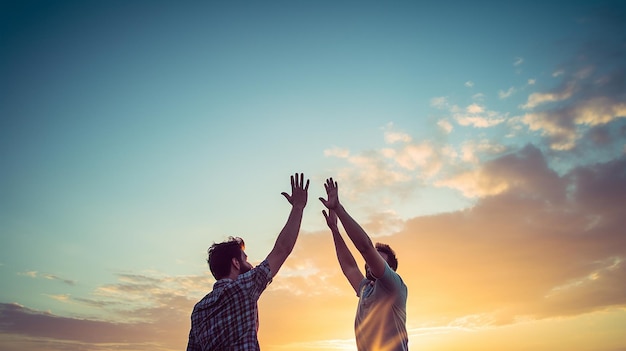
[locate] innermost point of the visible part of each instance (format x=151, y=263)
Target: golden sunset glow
x=484, y=142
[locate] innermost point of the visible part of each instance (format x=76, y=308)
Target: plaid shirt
x=227, y=318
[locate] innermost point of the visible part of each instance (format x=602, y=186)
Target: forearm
x=344, y=256
x=286, y=239
x=355, y=232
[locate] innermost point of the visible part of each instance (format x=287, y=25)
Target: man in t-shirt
x=227, y=318
x=380, y=322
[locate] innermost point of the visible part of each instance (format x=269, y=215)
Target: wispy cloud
x=392, y=137
x=48, y=276
x=478, y=96
x=565, y=124
x=477, y=116
x=440, y=102
x=563, y=93
x=337, y=152
x=505, y=94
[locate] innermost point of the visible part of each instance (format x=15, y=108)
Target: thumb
x=286, y=196
x=323, y=201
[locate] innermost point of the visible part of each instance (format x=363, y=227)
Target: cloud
x=477, y=116
x=469, y=84
x=563, y=126
x=32, y=274
x=505, y=94
x=337, y=152
x=74, y=333
x=535, y=245
x=475, y=109
x=445, y=125
x=563, y=93
x=471, y=151
x=592, y=94
x=413, y=156
x=439, y=102
x=138, y=312
x=501, y=175
x=392, y=137
x=398, y=167
x=518, y=61
x=48, y=276
x=60, y=297
x=537, y=233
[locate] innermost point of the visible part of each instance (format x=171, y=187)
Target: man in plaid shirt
x=227, y=318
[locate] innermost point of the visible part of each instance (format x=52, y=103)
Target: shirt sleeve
x=256, y=280
x=390, y=281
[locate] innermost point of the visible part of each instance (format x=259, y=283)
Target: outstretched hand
x=299, y=191
x=332, y=191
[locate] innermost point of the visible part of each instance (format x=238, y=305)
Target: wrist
x=338, y=208
x=298, y=207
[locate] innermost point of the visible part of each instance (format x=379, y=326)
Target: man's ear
x=235, y=263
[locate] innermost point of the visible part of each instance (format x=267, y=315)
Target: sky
x=484, y=141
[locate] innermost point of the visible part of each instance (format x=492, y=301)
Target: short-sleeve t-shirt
x=380, y=322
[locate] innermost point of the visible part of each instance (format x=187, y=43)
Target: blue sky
x=134, y=134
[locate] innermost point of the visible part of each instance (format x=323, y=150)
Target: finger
x=325, y=215
x=301, y=180
x=292, y=184
x=323, y=201
x=306, y=187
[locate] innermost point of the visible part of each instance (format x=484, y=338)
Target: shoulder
x=259, y=274
x=391, y=279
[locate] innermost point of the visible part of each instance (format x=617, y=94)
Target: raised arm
x=359, y=237
x=347, y=262
x=287, y=237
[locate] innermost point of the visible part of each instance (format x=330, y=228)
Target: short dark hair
x=392, y=260
x=221, y=254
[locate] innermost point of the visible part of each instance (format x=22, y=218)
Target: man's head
x=387, y=253
x=228, y=257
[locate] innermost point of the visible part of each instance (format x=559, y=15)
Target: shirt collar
x=222, y=282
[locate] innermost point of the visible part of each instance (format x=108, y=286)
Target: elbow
x=364, y=246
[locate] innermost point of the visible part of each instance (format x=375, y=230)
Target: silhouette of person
x=227, y=317
x=380, y=322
